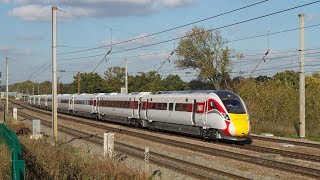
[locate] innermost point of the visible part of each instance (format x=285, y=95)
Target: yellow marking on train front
x=241, y=124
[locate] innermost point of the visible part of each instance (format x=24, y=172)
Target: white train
x=217, y=114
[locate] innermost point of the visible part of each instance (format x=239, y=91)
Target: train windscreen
x=234, y=106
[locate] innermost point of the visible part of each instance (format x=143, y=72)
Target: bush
x=67, y=162
x=274, y=106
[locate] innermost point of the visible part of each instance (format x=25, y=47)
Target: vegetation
x=274, y=104
x=5, y=165
x=206, y=52
x=67, y=162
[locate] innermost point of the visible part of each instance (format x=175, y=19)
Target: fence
x=18, y=164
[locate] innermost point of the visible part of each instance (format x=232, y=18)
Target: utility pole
x=0, y=92
x=302, y=80
x=78, y=82
x=38, y=89
x=32, y=89
x=7, y=86
x=54, y=74
x=126, y=80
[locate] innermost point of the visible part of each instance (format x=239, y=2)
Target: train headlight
x=226, y=116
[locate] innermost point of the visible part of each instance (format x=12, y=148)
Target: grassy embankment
x=45, y=161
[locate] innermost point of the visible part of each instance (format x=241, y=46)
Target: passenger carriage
x=83, y=105
x=65, y=103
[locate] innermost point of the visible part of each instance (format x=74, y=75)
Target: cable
x=221, y=27
x=104, y=58
x=163, y=31
x=239, y=39
x=268, y=34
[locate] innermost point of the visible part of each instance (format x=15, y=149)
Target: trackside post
x=108, y=144
x=15, y=113
x=146, y=159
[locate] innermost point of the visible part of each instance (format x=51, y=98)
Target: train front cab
x=235, y=116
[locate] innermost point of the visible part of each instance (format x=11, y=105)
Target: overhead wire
x=167, y=30
x=236, y=23
x=221, y=27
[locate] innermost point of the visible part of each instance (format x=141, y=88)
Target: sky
x=87, y=28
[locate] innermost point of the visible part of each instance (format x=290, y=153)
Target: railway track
x=184, y=167
x=298, y=143
x=310, y=172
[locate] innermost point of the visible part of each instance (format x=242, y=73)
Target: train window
x=184, y=107
x=150, y=99
x=186, y=99
x=170, y=106
x=164, y=106
x=213, y=105
x=154, y=105
x=234, y=106
x=177, y=107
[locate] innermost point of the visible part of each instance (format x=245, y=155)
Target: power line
x=221, y=27
x=273, y=33
x=239, y=39
x=163, y=31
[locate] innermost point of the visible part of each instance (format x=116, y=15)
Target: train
x=210, y=114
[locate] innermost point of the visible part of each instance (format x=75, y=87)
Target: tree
x=150, y=81
x=206, y=52
x=90, y=83
x=45, y=87
x=115, y=78
x=173, y=83
x=289, y=77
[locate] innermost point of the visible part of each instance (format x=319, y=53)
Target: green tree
x=150, y=81
x=24, y=87
x=115, y=79
x=206, y=52
x=90, y=83
x=173, y=83
x=289, y=77
x=45, y=87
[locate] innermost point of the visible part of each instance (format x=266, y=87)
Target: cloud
x=32, y=13
x=12, y=52
x=40, y=10
x=310, y=17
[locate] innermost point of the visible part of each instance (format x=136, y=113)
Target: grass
x=45, y=161
x=68, y=162
x=5, y=165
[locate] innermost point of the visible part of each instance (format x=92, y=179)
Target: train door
x=205, y=112
x=146, y=109
x=132, y=106
x=99, y=103
x=139, y=108
x=94, y=104
x=69, y=104
x=194, y=110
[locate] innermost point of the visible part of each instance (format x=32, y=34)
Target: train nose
x=241, y=124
